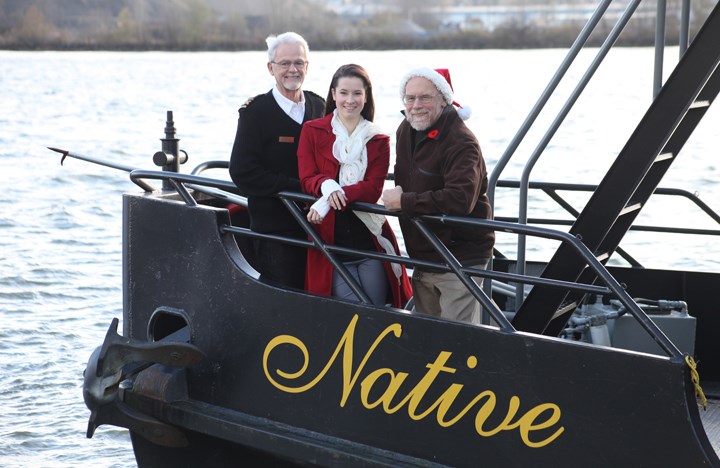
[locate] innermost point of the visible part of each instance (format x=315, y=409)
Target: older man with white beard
x=439, y=169
x=264, y=157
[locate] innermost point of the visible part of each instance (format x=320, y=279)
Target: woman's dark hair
x=352, y=71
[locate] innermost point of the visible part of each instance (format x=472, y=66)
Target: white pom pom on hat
x=440, y=77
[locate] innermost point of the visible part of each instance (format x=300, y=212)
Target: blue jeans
x=370, y=274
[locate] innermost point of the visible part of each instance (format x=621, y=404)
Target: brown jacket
x=442, y=171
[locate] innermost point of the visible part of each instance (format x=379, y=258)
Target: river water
x=60, y=249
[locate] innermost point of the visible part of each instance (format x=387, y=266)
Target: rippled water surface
x=60, y=252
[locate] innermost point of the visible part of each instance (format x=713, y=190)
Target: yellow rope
x=695, y=377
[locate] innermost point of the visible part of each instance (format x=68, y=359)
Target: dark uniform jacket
x=442, y=171
x=264, y=159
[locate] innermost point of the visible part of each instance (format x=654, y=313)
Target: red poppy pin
x=432, y=134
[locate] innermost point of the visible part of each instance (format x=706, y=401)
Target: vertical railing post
x=659, y=45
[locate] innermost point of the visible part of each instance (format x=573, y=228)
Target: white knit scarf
x=351, y=152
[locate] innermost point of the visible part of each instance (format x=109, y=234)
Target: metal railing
x=572, y=54
x=610, y=287
x=551, y=189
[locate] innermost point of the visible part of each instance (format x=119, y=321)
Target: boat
x=579, y=363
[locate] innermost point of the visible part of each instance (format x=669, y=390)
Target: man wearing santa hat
x=439, y=169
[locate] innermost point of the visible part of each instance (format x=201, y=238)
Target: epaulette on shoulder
x=247, y=103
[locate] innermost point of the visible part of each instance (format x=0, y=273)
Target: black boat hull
x=292, y=377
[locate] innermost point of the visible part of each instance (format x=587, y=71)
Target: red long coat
x=316, y=164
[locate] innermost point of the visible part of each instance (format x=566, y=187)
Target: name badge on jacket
x=286, y=139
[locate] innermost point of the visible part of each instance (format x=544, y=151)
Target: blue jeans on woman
x=370, y=274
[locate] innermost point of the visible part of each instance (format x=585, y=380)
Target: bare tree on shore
x=242, y=24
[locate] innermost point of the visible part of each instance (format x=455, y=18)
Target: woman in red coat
x=343, y=158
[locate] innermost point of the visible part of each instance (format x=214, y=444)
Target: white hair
x=289, y=37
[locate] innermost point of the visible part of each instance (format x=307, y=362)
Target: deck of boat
x=711, y=414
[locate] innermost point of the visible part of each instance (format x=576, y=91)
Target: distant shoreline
x=217, y=26
x=502, y=38
x=255, y=48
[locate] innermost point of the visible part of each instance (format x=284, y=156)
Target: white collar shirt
x=296, y=110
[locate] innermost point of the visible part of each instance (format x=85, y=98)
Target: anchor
x=104, y=383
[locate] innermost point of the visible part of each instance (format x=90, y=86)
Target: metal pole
x=525, y=178
x=659, y=45
x=538, y=107
x=684, y=26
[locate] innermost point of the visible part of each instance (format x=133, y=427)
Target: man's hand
x=391, y=198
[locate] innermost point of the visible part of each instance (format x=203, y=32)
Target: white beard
x=419, y=126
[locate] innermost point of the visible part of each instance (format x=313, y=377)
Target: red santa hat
x=440, y=77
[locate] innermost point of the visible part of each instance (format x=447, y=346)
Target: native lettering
x=388, y=383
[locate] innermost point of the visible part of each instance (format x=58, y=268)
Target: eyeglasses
x=286, y=64
x=423, y=99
